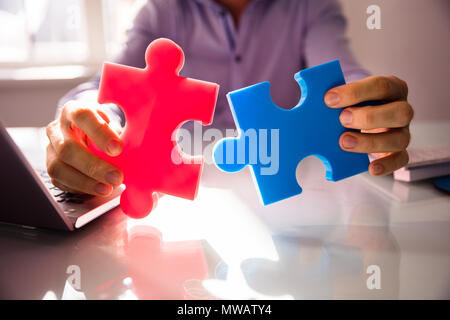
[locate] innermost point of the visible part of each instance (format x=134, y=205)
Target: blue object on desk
x=443, y=183
x=274, y=140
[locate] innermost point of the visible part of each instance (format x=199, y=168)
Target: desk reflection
x=226, y=245
x=114, y=263
x=325, y=262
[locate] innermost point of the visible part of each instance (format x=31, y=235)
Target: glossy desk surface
x=327, y=243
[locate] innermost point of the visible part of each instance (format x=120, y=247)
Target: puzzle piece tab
x=274, y=140
x=156, y=101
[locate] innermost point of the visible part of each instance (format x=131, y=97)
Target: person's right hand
x=70, y=164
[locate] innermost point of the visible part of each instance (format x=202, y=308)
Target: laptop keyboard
x=60, y=195
x=75, y=205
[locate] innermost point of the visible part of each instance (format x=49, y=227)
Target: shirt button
x=237, y=58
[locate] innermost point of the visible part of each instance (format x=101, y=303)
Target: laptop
x=30, y=200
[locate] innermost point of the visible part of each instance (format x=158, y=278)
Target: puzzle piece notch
x=309, y=129
x=156, y=101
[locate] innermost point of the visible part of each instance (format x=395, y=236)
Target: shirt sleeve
x=146, y=27
x=325, y=37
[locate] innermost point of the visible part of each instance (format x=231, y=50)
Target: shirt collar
x=217, y=6
x=214, y=2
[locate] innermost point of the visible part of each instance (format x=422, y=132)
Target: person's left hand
x=384, y=128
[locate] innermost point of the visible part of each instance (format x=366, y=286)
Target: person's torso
x=267, y=46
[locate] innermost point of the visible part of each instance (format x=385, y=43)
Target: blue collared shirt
x=274, y=40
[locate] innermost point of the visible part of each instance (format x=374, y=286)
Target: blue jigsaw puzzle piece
x=310, y=128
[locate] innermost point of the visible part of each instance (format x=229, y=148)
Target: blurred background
x=49, y=46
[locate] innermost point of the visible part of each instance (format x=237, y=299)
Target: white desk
x=225, y=244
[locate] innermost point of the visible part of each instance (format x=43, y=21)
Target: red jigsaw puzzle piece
x=156, y=101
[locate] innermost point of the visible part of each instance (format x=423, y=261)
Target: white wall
x=413, y=44
x=32, y=103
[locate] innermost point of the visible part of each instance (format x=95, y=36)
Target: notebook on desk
x=425, y=163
